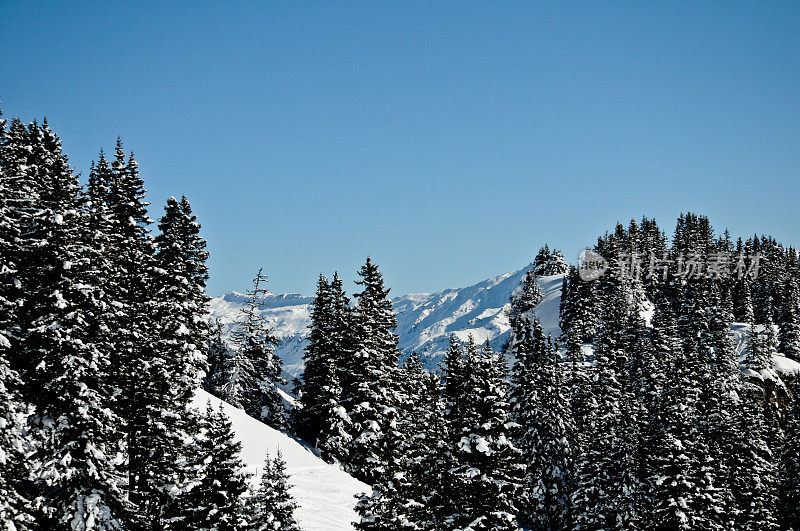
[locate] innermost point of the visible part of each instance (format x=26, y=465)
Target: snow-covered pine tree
x=215, y=501
x=789, y=469
x=217, y=353
x=175, y=367
x=742, y=301
x=271, y=507
x=578, y=312
x=489, y=474
x=444, y=503
x=253, y=371
x=759, y=356
x=336, y=432
x=549, y=262
x=525, y=297
x=400, y=499
x=540, y=406
x=76, y=430
x=131, y=251
x=370, y=384
x=15, y=508
x=714, y=376
x=17, y=197
x=669, y=492
x=387, y=506
x=790, y=320
x=319, y=371
x=424, y=439
x=602, y=498
x=753, y=467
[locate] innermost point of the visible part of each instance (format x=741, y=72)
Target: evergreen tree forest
x=104, y=338
x=642, y=414
x=656, y=405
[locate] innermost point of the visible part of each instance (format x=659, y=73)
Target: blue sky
x=449, y=140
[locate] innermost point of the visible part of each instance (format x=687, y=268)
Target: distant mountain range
x=424, y=320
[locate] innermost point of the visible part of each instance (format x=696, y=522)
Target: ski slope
x=325, y=493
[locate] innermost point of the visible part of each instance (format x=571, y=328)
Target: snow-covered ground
x=424, y=320
x=325, y=494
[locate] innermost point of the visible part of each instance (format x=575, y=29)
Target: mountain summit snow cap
x=591, y=265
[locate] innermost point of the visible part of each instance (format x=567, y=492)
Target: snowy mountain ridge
x=424, y=320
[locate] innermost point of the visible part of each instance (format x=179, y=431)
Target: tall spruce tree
x=131, y=251
x=15, y=508
x=370, y=386
x=602, y=498
x=215, y=503
x=78, y=482
x=316, y=392
x=488, y=475
x=540, y=406
x=753, y=467
x=790, y=320
x=789, y=469
x=175, y=367
x=253, y=371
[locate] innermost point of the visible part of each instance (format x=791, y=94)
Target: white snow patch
x=325, y=494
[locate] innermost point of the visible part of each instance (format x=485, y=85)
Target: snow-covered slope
x=424, y=320
x=325, y=493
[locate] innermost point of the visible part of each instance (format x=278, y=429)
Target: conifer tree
x=604, y=467
x=753, y=468
x=15, y=508
x=74, y=469
x=337, y=431
x=759, y=356
x=424, y=440
x=445, y=500
x=271, y=507
x=549, y=262
x=789, y=470
x=254, y=371
x=790, y=320
x=215, y=502
x=743, y=302
x=402, y=497
x=131, y=251
x=217, y=354
x=319, y=371
x=175, y=367
x=578, y=312
x=370, y=382
x=541, y=409
x=670, y=491
x=488, y=475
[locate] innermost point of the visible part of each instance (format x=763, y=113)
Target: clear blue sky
x=449, y=140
